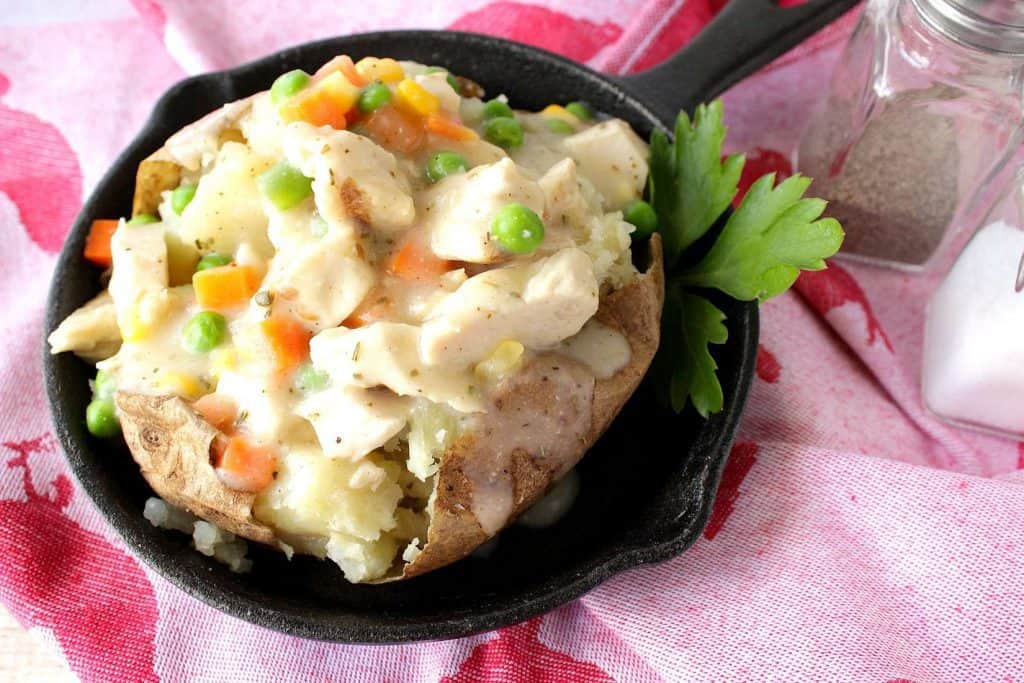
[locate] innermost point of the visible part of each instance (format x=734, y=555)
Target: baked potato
x=364, y=317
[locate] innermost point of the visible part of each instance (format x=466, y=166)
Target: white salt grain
x=973, y=365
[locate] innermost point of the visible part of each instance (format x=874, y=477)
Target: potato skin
x=454, y=532
x=171, y=444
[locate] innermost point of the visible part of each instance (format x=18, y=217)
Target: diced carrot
x=97, y=243
x=243, y=465
x=324, y=103
x=289, y=340
x=415, y=261
x=345, y=65
x=446, y=128
x=219, y=410
x=395, y=130
x=225, y=286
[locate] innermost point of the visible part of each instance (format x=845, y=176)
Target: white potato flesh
x=613, y=158
x=386, y=354
x=460, y=209
x=337, y=159
x=537, y=304
x=351, y=422
x=431, y=431
x=312, y=496
x=361, y=560
x=227, y=208
x=320, y=284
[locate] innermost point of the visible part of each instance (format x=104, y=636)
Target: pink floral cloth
x=854, y=536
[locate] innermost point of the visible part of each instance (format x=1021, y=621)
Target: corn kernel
x=180, y=384
x=221, y=361
x=556, y=111
x=133, y=328
x=415, y=99
x=385, y=70
x=502, y=362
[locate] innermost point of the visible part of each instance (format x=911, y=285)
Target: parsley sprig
x=774, y=234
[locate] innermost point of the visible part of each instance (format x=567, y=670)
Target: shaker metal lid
x=995, y=25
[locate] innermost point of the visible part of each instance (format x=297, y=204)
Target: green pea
x=204, y=332
x=143, y=219
x=560, y=126
x=518, y=228
x=454, y=82
x=287, y=85
x=496, y=109
x=310, y=379
x=642, y=215
x=284, y=185
x=182, y=197
x=580, y=110
x=212, y=261
x=103, y=387
x=503, y=132
x=101, y=418
x=444, y=164
x=373, y=97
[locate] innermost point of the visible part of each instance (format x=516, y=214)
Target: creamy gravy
x=602, y=349
x=544, y=411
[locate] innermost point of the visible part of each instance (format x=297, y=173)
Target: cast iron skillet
x=647, y=486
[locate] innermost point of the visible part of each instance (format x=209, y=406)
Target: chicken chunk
x=538, y=305
x=320, y=284
x=612, y=157
x=351, y=422
x=460, y=209
x=227, y=208
x=387, y=354
x=90, y=332
x=566, y=211
x=138, y=285
x=353, y=177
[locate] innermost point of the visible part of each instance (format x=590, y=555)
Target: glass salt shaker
x=925, y=103
x=972, y=371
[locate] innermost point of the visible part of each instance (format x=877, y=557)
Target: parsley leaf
x=693, y=323
x=771, y=237
x=690, y=185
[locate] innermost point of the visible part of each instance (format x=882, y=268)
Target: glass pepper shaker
x=925, y=104
x=972, y=371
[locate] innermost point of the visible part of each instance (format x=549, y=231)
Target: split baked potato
x=367, y=316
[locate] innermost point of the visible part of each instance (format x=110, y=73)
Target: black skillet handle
x=746, y=35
